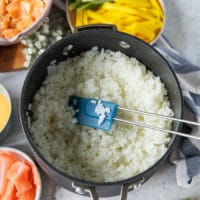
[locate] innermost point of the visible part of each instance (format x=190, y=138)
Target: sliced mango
x=142, y=18
x=79, y=18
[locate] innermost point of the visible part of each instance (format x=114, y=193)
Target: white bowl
x=33, y=27
x=21, y=155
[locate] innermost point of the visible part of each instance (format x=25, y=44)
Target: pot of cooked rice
x=102, y=64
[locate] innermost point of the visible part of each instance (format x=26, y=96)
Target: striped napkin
x=187, y=156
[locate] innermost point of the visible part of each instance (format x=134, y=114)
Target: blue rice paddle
x=92, y=112
x=101, y=114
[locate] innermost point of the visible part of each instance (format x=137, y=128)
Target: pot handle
x=82, y=189
x=94, y=26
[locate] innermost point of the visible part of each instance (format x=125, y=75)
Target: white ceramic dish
x=34, y=26
x=21, y=155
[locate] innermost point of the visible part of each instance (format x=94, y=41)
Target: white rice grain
x=93, y=154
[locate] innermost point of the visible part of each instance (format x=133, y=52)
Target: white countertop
x=183, y=27
x=183, y=31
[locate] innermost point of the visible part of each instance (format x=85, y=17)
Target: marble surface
x=183, y=30
x=183, y=27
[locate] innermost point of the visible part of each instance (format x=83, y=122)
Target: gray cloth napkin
x=187, y=157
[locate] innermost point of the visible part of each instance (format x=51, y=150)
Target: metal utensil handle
x=83, y=189
x=157, y=128
x=160, y=116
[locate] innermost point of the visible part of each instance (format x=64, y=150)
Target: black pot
x=115, y=41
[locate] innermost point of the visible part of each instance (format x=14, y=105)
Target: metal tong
x=101, y=114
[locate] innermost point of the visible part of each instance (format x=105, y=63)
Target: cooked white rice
x=92, y=154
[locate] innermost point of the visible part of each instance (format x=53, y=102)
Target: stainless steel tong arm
x=157, y=128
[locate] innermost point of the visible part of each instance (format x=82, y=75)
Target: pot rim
x=132, y=179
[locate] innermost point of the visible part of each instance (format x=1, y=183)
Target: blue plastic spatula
x=100, y=114
x=92, y=112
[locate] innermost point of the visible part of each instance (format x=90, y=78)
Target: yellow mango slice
x=142, y=18
x=79, y=17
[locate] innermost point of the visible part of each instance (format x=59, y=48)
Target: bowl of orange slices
x=21, y=17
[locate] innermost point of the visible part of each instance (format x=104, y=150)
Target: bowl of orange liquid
x=5, y=108
x=21, y=17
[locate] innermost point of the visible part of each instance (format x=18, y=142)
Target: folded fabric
x=187, y=157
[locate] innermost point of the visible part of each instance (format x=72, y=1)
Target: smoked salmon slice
x=18, y=173
x=19, y=178
x=10, y=192
x=35, y=176
x=6, y=160
x=28, y=195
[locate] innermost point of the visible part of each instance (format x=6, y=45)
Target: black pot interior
x=107, y=39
